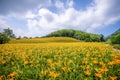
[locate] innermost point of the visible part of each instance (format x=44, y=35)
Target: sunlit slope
x=44, y=40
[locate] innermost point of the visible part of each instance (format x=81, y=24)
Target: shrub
x=3, y=38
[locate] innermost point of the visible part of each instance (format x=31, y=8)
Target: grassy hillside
x=80, y=35
x=114, y=39
x=116, y=32
x=44, y=40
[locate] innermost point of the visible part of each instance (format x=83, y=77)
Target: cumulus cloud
x=105, y=12
x=98, y=14
x=30, y=15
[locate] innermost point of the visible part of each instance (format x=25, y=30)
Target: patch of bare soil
x=118, y=50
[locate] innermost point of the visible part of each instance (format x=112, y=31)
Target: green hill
x=116, y=32
x=114, y=38
x=80, y=35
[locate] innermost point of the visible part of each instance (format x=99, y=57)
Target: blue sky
x=40, y=17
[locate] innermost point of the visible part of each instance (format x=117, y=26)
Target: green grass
x=44, y=40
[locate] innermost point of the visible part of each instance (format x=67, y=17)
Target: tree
x=9, y=32
x=102, y=38
x=3, y=38
x=27, y=37
x=18, y=38
x=6, y=35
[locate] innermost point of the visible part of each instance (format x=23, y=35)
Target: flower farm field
x=59, y=61
x=44, y=40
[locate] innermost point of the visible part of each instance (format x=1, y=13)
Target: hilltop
x=80, y=35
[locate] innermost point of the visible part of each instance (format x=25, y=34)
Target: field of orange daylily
x=61, y=61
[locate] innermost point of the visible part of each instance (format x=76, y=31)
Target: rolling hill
x=80, y=35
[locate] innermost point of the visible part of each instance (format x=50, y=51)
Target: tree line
x=7, y=34
x=80, y=35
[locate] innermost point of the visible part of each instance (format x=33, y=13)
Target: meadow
x=44, y=40
x=58, y=61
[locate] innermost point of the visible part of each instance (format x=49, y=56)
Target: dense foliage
x=115, y=39
x=9, y=33
x=3, y=38
x=80, y=35
x=6, y=35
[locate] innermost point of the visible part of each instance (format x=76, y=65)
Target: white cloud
x=30, y=15
x=70, y=3
x=98, y=14
x=59, y=4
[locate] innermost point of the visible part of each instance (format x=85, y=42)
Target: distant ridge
x=114, y=38
x=116, y=32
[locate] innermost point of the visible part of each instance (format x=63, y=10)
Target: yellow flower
x=87, y=73
x=98, y=75
x=49, y=60
x=105, y=70
x=95, y=62
x=51, y=64
x=3, y=62
x=1, y=77
x=113, y=78
x=111, y=63
x=12, y=74
x=117, y=61
x=11, y=79
x=102, y=63
x=68, y=69
x=25, y=62
x=53, y=74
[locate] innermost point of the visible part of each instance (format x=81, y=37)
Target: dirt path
x=118, y=50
